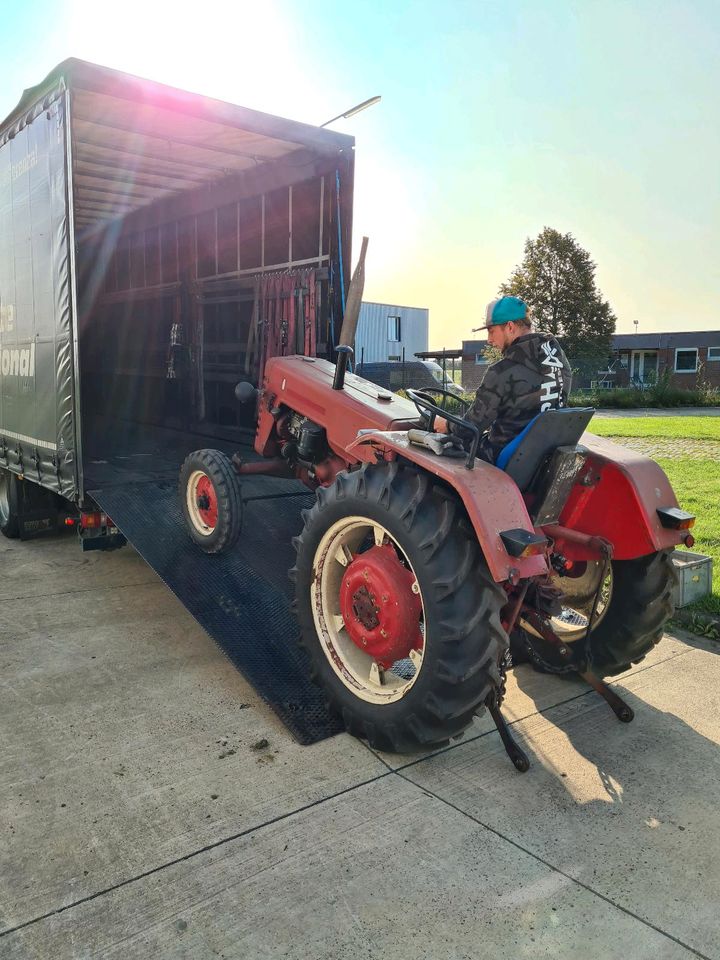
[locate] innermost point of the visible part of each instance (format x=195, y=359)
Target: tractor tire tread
x=464, y=598
x=227, y=488
x=635, y=622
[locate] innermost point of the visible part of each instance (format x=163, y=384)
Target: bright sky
x=598, y=117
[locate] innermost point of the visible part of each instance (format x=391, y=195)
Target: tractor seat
x=526, y=453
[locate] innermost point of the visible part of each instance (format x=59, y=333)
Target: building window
x=394, y=329
x=624, y=360
x=686, y=360
x=713, y=353
x=480, y=359
x=393, y=356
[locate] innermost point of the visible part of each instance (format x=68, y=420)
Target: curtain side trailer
x=156, y=247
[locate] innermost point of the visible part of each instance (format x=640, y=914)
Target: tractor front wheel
x=211, y=500
x=398, y=611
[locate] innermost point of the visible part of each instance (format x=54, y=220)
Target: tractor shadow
x=667, y=754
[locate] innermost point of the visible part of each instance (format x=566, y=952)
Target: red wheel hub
x=206, y=502
x=380, y=609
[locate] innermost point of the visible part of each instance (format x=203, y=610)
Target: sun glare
x=219, y=52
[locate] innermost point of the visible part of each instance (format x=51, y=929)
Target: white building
x=386, y=330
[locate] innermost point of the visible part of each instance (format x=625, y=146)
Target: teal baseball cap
x=505, y=309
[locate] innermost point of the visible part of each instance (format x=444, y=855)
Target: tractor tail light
x=675, y=519
x=522, y=543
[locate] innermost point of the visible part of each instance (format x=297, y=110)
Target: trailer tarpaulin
x=37, y=427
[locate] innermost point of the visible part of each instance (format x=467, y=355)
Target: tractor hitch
x=517, y=609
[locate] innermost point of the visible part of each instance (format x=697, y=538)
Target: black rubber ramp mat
x=242, y=599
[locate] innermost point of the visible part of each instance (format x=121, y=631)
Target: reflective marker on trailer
x=95, y=520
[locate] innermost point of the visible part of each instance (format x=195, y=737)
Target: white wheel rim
x=571, y=623
x=193, y=510
x=357, y=670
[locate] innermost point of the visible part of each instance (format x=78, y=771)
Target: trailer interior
x=204, y=238
x=208, y=238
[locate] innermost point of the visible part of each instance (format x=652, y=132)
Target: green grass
x=697, y=486
x=684, y=428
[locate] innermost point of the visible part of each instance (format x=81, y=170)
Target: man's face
x=501, y=335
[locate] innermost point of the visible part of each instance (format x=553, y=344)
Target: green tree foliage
x=557, y=280
x=492, y=354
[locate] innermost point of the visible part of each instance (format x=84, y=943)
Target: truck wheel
x=397, y=608
x=635, y=605
x=9, y=493
x=211, y=500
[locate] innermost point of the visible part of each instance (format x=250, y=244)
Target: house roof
x=666, y=341
x=637, y=341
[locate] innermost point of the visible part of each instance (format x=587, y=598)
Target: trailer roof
x=135, y=141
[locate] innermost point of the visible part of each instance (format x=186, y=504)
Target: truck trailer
x=157, y=246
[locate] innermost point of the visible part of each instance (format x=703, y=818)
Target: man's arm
x=486, y=404
x=484, y=409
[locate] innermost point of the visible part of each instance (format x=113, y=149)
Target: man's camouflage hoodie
x=534, y=375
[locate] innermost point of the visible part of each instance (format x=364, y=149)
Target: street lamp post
x=353, y=110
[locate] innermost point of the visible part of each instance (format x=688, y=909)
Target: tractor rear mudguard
x=491, y=499
x=617, y=499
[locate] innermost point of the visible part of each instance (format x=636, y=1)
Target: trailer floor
x=242, y=598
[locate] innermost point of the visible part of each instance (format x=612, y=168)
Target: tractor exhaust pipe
x=344, y=354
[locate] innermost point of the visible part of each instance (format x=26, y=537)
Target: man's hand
x=441, y=425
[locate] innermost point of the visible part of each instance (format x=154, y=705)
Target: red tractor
x=418, y=562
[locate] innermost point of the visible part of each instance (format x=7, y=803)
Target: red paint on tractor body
x=615, y=498
x=618, y=501
x=380, y=609
x=305, y=384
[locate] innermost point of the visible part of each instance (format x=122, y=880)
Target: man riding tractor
x=532, y=376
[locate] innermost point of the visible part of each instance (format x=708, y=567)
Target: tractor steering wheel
x=428, y=410
x=426, y=405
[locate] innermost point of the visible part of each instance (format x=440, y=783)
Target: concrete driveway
x=153, y=807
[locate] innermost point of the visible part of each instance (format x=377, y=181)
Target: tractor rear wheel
x=9, y=494
x=211, y=500
x=635, y=604
x=639, y=606
x=397, y=608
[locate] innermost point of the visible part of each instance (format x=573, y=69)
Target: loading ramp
x=242, y=599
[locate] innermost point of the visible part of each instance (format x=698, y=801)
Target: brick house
x=636, y=359
x=640, y=358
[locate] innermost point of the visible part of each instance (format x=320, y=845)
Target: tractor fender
x=618, y=500
x=491, y=499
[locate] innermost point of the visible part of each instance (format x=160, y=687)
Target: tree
x=557, y=281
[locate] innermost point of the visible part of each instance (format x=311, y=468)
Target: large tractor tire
x=635, y=604
x=211, y=500
x=398, y=611
x=9, y=500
